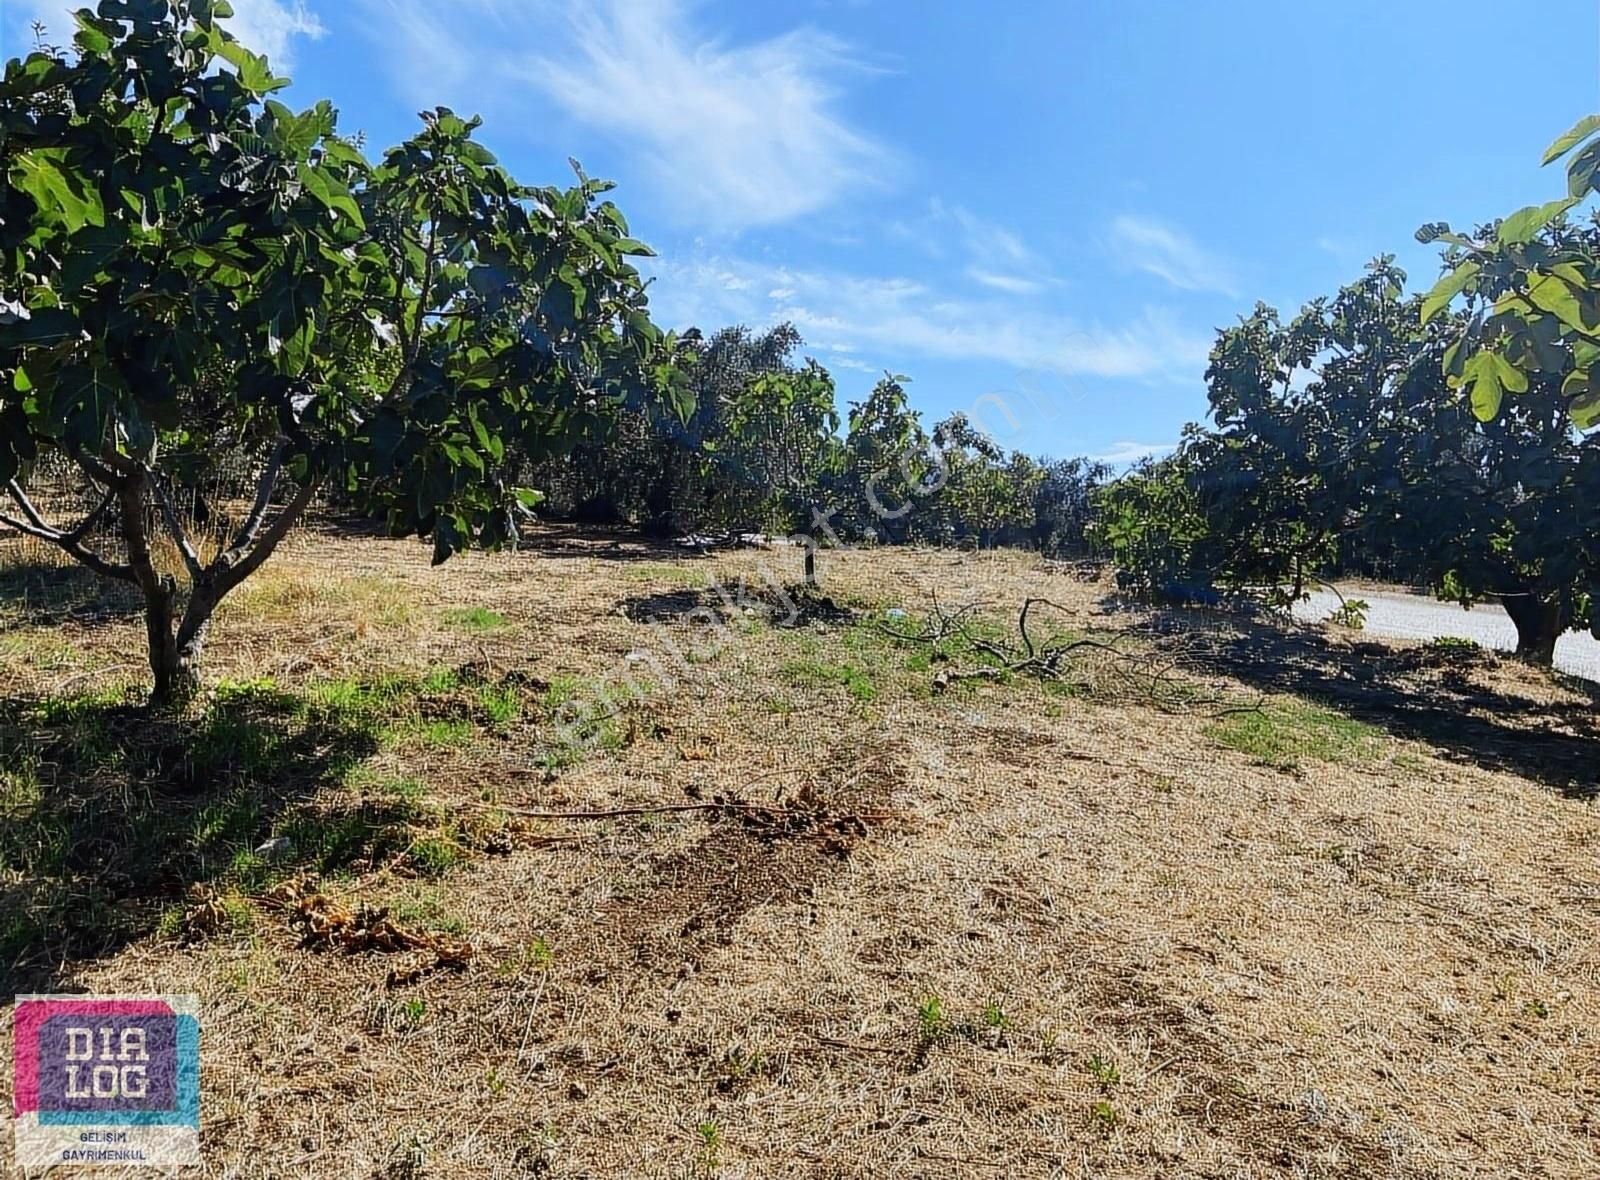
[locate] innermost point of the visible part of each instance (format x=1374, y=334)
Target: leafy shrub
x=1352, y=614
x=1151, y=525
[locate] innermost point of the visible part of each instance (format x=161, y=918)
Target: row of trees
x=191, y=270
x=1431, y=438
x=763, y=449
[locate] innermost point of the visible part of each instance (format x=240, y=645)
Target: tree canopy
x=182, y=254
x=1530, y=283
x=1339, y=442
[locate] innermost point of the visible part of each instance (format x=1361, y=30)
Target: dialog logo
x=107, y=1080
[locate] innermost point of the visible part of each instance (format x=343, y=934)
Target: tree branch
x=97, y=471
x=92, y=519
x=130, y=498
x=115, y=461
x=264, y=490
x=238, y=565
x=30, y=530
x=288, y=418
x=71, y=542
x=430, y=263
x=169, y=513
x=28, y=509
x=119, y=571
x=1050, y=659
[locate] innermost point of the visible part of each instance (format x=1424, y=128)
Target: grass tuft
x=1286, y=733
x=476, y=619
x=855, y=680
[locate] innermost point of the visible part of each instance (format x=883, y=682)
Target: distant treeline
x=764, y=450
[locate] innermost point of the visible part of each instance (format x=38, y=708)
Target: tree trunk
x=160, y=594
x=188, y=646
x=174, y=646
x=176, y=671
x=1540, y=622
x=161, y=644
x=174, y=649
x=659, y=509
x=811, y=567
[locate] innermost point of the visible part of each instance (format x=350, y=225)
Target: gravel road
x=1413, y=616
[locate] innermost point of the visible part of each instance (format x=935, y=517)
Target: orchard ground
x=1328, y=908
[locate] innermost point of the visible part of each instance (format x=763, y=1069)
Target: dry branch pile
x=1115, y=667
x=327, y=924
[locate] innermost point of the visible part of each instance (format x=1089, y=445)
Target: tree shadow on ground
x=42, y=592
x=563, y=541
x=782, y=606
x=110, y=816
x=556, y=540
x=674, y=606
x=1463, y=702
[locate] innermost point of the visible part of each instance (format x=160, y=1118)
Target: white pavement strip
x=1413, y=616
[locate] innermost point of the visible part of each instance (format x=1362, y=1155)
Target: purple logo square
x=108, y=1063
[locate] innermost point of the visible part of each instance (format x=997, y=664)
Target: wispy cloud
x=1164, y=250
x=1011, y=284
x=1125, y=454
x=734, y=135
x=983, y=239
x=890, y=320
x=265, y=26
x=997, y=257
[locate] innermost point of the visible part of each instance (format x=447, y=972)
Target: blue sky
x=1038, y=211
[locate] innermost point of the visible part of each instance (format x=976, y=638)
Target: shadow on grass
x=43, y=592
x=109, y=815
x=564, y=541
x=1432, y=695
x=783, y=606
x=674, y=606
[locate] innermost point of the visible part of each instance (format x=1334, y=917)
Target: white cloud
x=997, y=257
x=1125, y=454
x=1348, y=252
x=1012, y=284
x=265, y=26
x=734, y=135
x=1167, y=252
x=899, y=318
x=983, y=239
x=430, y=62
x=270, y=26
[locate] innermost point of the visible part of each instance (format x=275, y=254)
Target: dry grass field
x=1322, y=907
